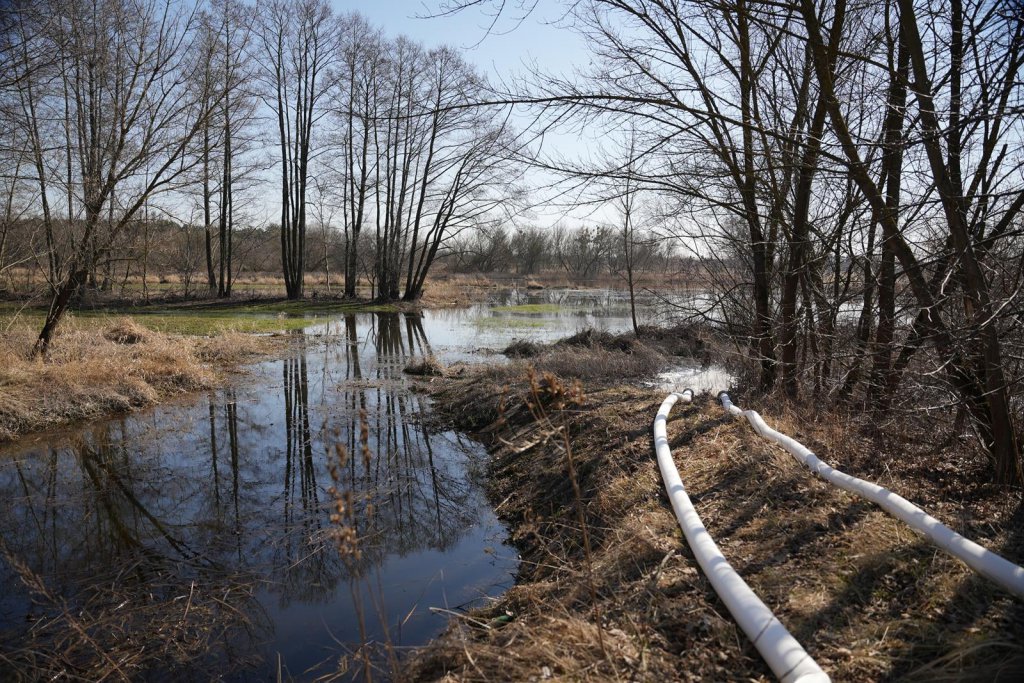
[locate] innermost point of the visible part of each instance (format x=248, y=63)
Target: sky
x=543, y=36
x=544, y=39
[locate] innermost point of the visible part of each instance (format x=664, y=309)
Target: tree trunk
x=762, y=333
x=58, y=307
x=997, y=422
x=211, y=278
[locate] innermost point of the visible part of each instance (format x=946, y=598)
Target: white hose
x=984, y=561
x=780, y=650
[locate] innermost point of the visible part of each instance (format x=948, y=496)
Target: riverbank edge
x=247, y=305
x=100, y=372
x=36, y=397
x=867, y=598
x=454, y=292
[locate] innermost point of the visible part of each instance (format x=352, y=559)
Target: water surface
x=223, y=502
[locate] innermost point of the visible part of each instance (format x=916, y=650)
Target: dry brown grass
x=523, y=348
x=870, y=600
x=595, y=356
x=428, y=366
x=123, y=630
x=600, y=364
x=596, y=365
x=94, y=371
x=622, y=355
x=454, y=291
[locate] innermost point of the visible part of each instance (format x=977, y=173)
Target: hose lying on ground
x=984, y=561
x=780, y=650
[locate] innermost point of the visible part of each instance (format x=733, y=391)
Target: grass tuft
x=523, y=348
x=428, y=366
x=93, y=371
x=126, y=331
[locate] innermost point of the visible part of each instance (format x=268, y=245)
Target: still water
x=221, y=504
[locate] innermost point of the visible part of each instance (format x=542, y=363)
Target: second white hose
x=987, y=563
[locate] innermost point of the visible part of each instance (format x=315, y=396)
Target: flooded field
x=221, y=503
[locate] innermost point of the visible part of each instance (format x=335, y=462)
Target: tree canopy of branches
x=418, y=161
x=107, y=119
x=126, y=112
x=850, y=174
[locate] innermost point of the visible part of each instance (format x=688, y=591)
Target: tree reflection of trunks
x=225, y=520
x=408, y=500
x=307, y=569
x=107, y=536
x=233, y=498
x=388, y=338
x=416, y=335
x=392, y=348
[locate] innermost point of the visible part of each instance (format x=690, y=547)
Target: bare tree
x=124, y=66
x=416, y=156
x=362, y=57
x=530, y=249
x=844, y=155
x=976, y=370
x=299, y=42
x=627, y=202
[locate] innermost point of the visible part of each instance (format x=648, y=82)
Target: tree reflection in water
x=119, y=579
x=229, y=495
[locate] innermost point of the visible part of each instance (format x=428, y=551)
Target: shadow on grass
x=957, y=652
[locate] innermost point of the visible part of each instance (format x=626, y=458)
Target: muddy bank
x=866, y=597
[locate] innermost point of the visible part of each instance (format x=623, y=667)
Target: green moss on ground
x=202, y=319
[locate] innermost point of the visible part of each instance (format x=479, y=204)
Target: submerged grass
x=206, y=323
x=197, y=323
x=307, y=307
x=206, y=317
x=93, y=370
x=501, y=322
x=127, y=630
x=870, y=600
x=531, y=309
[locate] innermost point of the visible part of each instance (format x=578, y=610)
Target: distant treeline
x=161, y=248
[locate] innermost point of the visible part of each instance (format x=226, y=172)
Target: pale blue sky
x=542, y=37
x=543, y=40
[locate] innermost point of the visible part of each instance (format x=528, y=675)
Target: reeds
x=548, y=400
x=348, y=516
